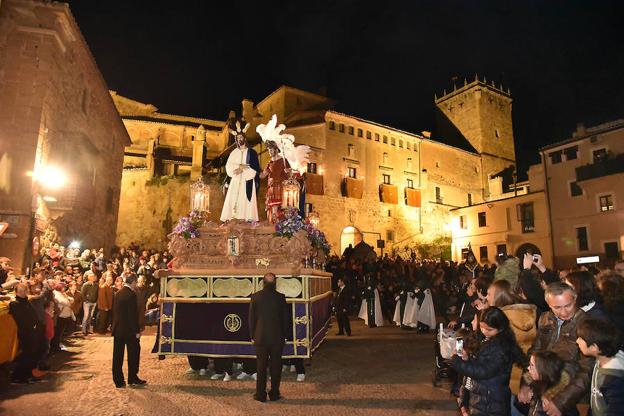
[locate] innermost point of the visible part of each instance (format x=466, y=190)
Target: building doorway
x=350, y=235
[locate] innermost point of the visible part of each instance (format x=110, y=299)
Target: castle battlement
x=467, y=86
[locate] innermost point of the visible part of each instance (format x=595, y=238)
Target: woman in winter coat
x=490, y=370
x=522, y=321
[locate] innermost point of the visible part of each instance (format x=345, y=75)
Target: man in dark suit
x=342, y=308
x=126, y=334
x=268, y=321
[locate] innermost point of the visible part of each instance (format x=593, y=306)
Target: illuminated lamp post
x=290, y=193
x=200, y=197
x=44, y=178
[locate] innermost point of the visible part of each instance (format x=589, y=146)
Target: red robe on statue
x=276, y=170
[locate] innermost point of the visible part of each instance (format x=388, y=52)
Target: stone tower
x=481, y=113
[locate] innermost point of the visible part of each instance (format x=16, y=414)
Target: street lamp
x=200, y=196
x=51, y=177
x=290, y=193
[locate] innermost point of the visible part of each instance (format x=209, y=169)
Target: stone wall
x=56, y=111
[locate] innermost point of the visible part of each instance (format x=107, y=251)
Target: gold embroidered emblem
x=232, y=322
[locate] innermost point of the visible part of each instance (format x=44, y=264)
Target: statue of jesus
x=243, y=167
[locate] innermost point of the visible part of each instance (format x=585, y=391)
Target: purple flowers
x=188, y=227
x=291, y=222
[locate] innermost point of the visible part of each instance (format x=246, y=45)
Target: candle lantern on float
x=290, y=193
x=314, y=218
x=200, y=197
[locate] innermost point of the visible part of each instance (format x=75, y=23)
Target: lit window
x=599, y=155
x=606, y=203
x=312, y=167
x=526, y=215
x=353, y=173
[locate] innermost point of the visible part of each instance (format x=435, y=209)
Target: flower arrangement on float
x=290, y=222
x=188, y=227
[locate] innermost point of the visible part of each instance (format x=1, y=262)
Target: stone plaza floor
x=376, y=371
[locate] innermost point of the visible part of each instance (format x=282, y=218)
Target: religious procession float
x=205, y=296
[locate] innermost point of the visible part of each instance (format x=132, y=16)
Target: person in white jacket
x=65, y=315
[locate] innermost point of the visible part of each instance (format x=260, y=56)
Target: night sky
x=381, y=60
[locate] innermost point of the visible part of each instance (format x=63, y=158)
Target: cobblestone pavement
x=376, y=371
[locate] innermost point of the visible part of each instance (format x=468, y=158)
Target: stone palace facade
x=367, y=181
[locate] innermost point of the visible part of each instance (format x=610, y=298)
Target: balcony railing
x=602, y=168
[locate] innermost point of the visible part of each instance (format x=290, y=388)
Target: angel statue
x=243, y=169
x=286, y=160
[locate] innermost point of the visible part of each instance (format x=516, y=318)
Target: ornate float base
x=205, y=297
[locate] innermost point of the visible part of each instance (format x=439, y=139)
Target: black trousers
x=344, y=326
x=59, y=333
x=223, y=365
x=197, y=363
x=30, y=345
x=120, y=343
x=249, y=365
x=298, y=363
x=269, y=355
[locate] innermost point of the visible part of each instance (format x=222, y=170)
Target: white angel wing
x=298, y=157
x=266, y=131
x=272, y=132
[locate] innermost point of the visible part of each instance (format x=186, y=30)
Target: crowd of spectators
x=71, y=293
x=536, y=341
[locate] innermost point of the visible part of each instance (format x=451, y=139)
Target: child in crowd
x=470, y=350
x=490, y=369
x=599, y=339
x=548, y=378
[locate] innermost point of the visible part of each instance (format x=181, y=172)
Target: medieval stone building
x=61, y=138
x=367, y=181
